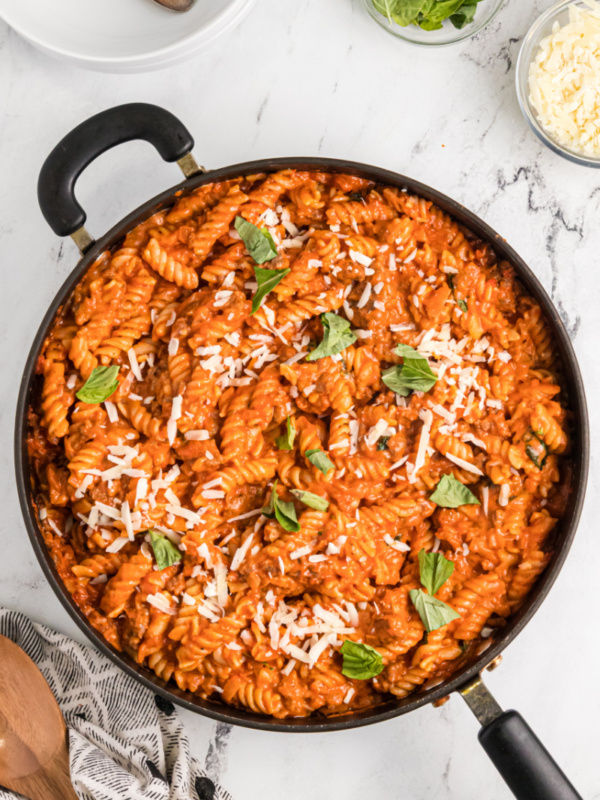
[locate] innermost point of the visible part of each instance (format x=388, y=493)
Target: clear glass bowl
x=448, y=34
x=541, y=28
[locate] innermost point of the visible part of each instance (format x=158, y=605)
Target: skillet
x=518, y=754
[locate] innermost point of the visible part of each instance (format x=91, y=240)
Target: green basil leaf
x=286, y=440
x=441, y=10
x=100, y=385
x=428, y=14
x=336, y=337
x=535, y=449
x=533, y=456
x=361, y=661
x=259, y=242
x=406, y=11
x=382, y=444
x=464, y=15
x=451, y=493
x=269, y=510
x=267, y=280
x=429, y=24
x=320, y=460
x=384, y=7
x=459, y=301
x=415, y=374
x=392, y=377
x=434, y=614
x=356, y=197
x=425, y=10
x=165, y=551
x=283, y=512
x=311, y=500
x=408, y=352
x=435, y=570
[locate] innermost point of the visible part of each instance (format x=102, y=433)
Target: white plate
x=120, y=35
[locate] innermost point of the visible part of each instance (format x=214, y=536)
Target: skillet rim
x=568, y=527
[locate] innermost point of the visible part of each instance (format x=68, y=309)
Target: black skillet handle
x=527, y=767
x=56, y=184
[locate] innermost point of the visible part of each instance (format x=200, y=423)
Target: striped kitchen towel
x=124, y=741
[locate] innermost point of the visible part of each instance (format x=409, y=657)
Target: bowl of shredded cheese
x=558, y=80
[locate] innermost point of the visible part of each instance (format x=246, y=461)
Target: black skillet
x=520, y=757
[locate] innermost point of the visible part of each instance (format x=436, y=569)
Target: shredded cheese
x=133, y=363
x=564, y=81
x=504, y=494
x=460, y=462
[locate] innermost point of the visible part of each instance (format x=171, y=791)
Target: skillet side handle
x=77, y=150
x=526, y=766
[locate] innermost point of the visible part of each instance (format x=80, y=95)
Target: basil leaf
x=320, y=460
x=464, y=15
x=428, y=14
x=269, y=510
x=382, y=444
x=403, y=12
x=311, y=500
x=415, y=374
x=429, y=24
x=286, y=440
x=535, y=449
x=384, y=7
x=100, y=385
x=361, y=661
x=165, y=551
x=427, y=8
x=392, y=377
x=406, y=351
x=435, y=570
x=283, y=512
x=356, y=197
x=259, y=242
x=460, y=302
x=336, y=337
x=267, y=280
x=441, y=10
x=434, y=614
x=451, y=493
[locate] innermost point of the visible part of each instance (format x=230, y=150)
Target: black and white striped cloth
x=124, y=741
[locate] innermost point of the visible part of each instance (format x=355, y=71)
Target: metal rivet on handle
x=83, y=240
x=189, y=166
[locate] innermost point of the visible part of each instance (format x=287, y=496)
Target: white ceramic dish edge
x=159, y=58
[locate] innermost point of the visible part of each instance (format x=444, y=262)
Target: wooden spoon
x=34, y=760
x=176, y=5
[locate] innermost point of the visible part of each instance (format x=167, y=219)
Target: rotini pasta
x=222, y=422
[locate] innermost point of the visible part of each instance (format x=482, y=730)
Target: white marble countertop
x=318, y=77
